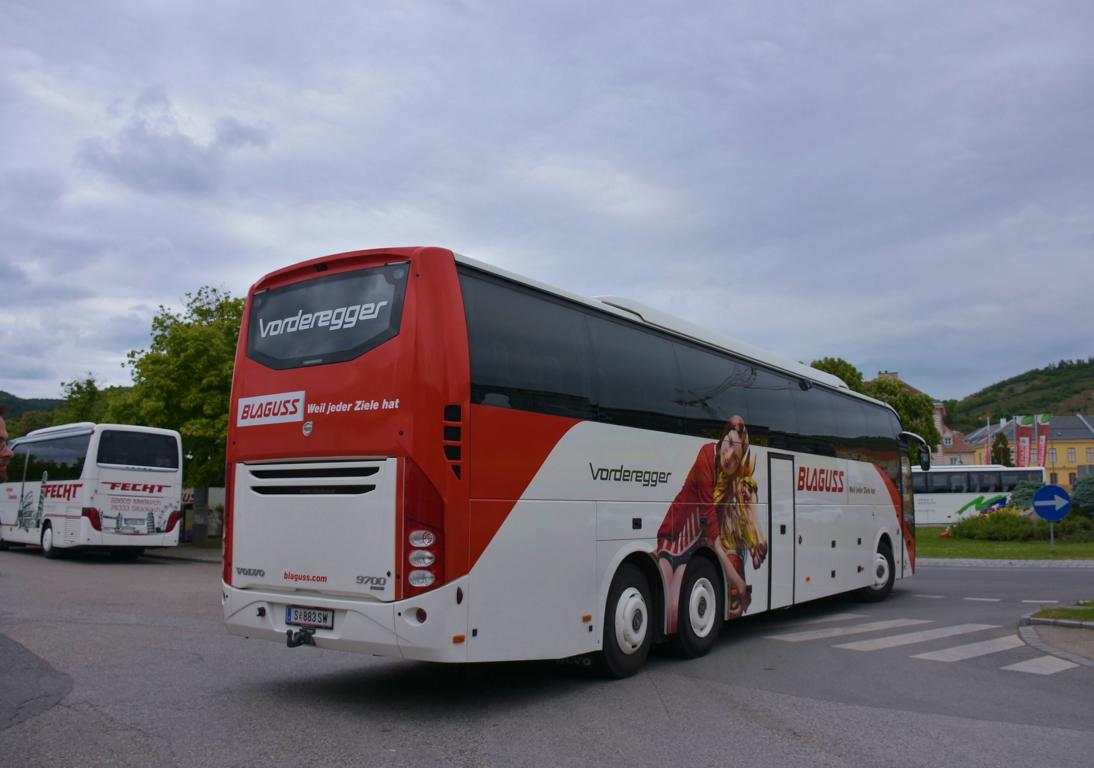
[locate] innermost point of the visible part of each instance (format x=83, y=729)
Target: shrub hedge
x=1008, y=525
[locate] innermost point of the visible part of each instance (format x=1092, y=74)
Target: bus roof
x=84, y=427
x=644, y=315
x=972, y=468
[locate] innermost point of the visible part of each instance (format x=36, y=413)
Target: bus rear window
x=138, y=449
x=327, y=319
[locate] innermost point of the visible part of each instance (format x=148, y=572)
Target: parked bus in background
x=947, y=494
x=435, y=459
x=93, y=486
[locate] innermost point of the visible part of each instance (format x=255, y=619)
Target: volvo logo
x=307, y=428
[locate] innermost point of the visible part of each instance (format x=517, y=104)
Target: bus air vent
x=453, y=437
x=312, y=490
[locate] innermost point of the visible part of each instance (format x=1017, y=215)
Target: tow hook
x=299, y=637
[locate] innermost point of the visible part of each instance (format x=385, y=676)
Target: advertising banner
x=1023, y=437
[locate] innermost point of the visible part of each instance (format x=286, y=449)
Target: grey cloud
x=151, y=153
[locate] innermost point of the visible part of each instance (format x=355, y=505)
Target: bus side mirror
x=924, y=449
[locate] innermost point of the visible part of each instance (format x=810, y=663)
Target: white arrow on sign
x=1056, y=502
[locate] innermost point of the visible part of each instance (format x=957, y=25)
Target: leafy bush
x=1001, y=525
x=1022, y=495
x=1082, y=494
x=1008, y=525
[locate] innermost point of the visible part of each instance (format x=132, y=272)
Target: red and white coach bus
x=435, y=459
x=93, y=486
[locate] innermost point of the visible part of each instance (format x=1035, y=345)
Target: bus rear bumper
x=360, y=626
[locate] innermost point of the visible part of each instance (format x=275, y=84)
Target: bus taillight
x=423, y=526
x=226, y=529
x=92, y=515
x=172, y=521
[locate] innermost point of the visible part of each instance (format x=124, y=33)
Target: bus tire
x=883, y=571
x=699, y=618
x=46, y=541
x=628, y=623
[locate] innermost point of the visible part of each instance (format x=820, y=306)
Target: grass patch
x=1081, y=611
x=928, y=544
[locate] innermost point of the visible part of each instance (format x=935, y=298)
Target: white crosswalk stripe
x=1042, y=665
x=910, y=638
x=972, y=650
x=855, y=629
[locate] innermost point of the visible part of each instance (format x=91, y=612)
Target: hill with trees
x=1060, y=388
x=17, y=406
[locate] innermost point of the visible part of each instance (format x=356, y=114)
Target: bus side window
x=637, y=380
x=528, y=352
x=18, y=464
x=919, y=482
x=61, y=458
x=712, y=389
x=772, y=420
x=958, y=482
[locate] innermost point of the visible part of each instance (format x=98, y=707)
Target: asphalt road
x=105, y=663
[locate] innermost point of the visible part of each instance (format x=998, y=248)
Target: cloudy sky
x=906, y=185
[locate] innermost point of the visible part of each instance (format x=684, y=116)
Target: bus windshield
x=328, y=319
x=138, y=449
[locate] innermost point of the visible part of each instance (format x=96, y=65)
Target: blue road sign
x=1051, y=503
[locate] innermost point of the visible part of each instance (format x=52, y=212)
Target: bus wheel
x=699, y=617
x=628, y=629
x=48, y=549
x=883, y=573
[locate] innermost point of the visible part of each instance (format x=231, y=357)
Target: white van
x=97, y=486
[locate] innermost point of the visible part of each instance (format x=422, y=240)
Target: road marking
x=1039, y=602
x=983, y=599
x=1042, y=665
x=972, y=650
x=893, y=641
x=873, y=626
x=826, y=619
x=931, y=597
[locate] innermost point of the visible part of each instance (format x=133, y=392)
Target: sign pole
x=1052, y=535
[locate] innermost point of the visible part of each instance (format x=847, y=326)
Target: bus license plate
x=309, y=617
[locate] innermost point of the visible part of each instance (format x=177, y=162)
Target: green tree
x=1000, y=450
x=1022, y=495
x=916, y=411
x=183, y=380
x=1082, y=494
x=837, y=366
x=30, y=421
x=83, y=401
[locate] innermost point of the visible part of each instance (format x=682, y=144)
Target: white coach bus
x=431, y=458
x=947, y=494
x=97, y=486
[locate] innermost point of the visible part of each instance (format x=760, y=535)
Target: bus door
x=783, y=534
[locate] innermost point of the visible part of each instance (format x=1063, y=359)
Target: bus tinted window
x=985, y=482
x=815, y=409
x=1011, y=479
x=327, y=319
x=938, y=482
x=712, y=389
x=17, y=464
x=138, y=449
x=637, y=382
x=527, y=351
x=771, y=418
x=958, y=482
x=919, y=482
x=849, y=421
x=61, y=458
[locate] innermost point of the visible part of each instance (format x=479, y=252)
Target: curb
x=959, y=562
x=1028, y=632
x=1030, y=619
x=183, y=556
